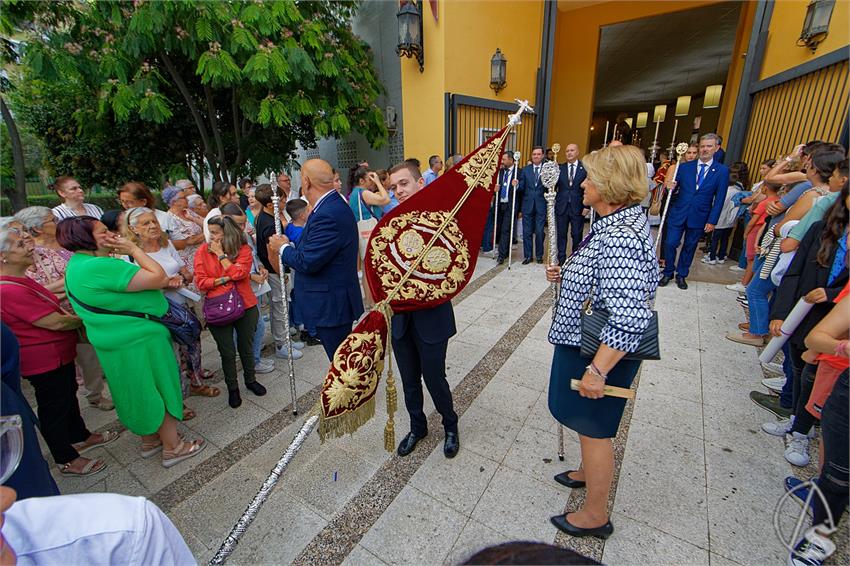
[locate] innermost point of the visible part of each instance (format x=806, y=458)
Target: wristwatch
x=222, y=257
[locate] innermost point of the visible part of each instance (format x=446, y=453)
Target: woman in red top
x=220, y=265
x=48, y=339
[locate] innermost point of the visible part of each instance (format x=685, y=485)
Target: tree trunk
x=18, y=196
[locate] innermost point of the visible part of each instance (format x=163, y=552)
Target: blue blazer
x=692, y=208
x=569, y=199
x=432, y=325
x=532, y=191
x=325, y=259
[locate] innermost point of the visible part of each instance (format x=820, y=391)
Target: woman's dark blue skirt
x=596, y=418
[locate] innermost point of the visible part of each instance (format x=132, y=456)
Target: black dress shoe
x=256, y=388
x=602, y=532
x=566, y=480
x=664, y=280
x=501, y=260
x=527, y=260
x=234, y=399
x=680, y=283
x=451, y=445
x=408, y=443
x=539, y=260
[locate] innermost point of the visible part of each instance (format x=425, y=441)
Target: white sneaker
x=265, y=365
x=739, y=287
x=293, y=331
x=283, y=353
x=778, y=428
x=706, y=259
x=812, y=550
x=736, y=268
x=296, y=345
x=797, y=452
x=774, y=368
x=774, y=383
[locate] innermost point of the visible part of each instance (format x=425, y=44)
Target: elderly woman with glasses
x=187, y=233
x=48, y=337
x=147, y=395
x=48, y=269
x=141, y=228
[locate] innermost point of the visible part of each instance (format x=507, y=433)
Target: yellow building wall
x=577, y=45
x=782, y=53
x=422, y=93
x=736, y=69
x=458, y=49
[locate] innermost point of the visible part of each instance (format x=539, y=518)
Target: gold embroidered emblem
x=397, y=245
x=481, y=161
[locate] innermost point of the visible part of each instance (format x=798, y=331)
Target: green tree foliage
x=254, y=77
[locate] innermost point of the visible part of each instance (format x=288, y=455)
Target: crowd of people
x=88, y=293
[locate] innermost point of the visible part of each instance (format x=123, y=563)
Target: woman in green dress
x=135, y=353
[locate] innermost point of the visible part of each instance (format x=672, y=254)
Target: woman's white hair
x=32, y=217
x=6, y=231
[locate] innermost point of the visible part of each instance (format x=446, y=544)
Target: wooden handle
x=610, y=390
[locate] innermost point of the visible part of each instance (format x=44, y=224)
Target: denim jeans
x=719, y=243
x=834, y=474
x=757, y=295
x=742, y=259
x=258, y=338
x=487, y=241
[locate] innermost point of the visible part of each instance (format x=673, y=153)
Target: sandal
x=745, y=326
x=92, y=467
x=188, y=414
x=204, y=390
x=105, y=436
x=184, y=451
x=151, y=448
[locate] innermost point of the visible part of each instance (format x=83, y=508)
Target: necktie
x=505, y=181
x=536, y=174
x=572, y=173
x=701, y=175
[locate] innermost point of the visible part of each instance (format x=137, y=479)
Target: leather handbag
x=594, y=320
x=225, y=308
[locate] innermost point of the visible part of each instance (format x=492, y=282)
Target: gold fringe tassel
x=346, y=423
x=392, y=393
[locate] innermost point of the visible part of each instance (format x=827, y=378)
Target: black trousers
x=804, y=420
x=834, y=477
x=505, y=228
x=245, y=329
x=332, y=337
x=59, y=412
x=572, y=224
x=417, y=361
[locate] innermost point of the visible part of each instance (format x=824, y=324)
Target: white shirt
x=166, y=222
x=708, y=165
x=93, y=529
x=171, y=262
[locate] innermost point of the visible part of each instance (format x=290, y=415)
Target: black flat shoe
x=566, y=480
x=234, y=399
x=539, y=260
x=527, y=260
x=680, y=283
x=500, y=261
x=451, y=445
x=664, y=280
x=408, y=443
x=256, y=388
x=602, y=532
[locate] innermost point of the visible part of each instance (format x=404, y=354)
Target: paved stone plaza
x=697, y=483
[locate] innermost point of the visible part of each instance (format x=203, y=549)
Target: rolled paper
x=189, y=294
x=610, y=390
x=605, y=137
x=795, y=317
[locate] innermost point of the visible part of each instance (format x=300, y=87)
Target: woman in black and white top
x=72, y=195
x=616, y=268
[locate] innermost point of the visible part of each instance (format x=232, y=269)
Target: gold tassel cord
x=392, y=394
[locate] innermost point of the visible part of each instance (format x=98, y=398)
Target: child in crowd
x=299, y=210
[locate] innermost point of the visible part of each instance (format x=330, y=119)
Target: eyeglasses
x=11, y=445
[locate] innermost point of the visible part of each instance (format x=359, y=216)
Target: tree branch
x=240, y=156
x=216, y=133
x=196, y=114
x=18, y=196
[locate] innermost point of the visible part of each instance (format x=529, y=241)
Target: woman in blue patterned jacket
x=616, y=268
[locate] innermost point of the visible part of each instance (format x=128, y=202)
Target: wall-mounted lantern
x=816, y=24
x=498, y=71
x=410, y=43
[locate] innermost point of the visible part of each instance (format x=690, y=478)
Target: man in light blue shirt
x=435, y=165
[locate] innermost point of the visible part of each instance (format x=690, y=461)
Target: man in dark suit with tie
x=533, y=208
x=506, y=191
x=697, y=202
x=325, y=259
x=569, y=206
x=420, y=339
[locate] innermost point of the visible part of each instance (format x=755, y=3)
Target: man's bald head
x=317, y=178
x=615, y=143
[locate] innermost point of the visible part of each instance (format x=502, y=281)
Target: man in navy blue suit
x=700, y=192
x=325, y=259
x=507, y=193
x=533, y=208
x=420, y=339
x=569, y=206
